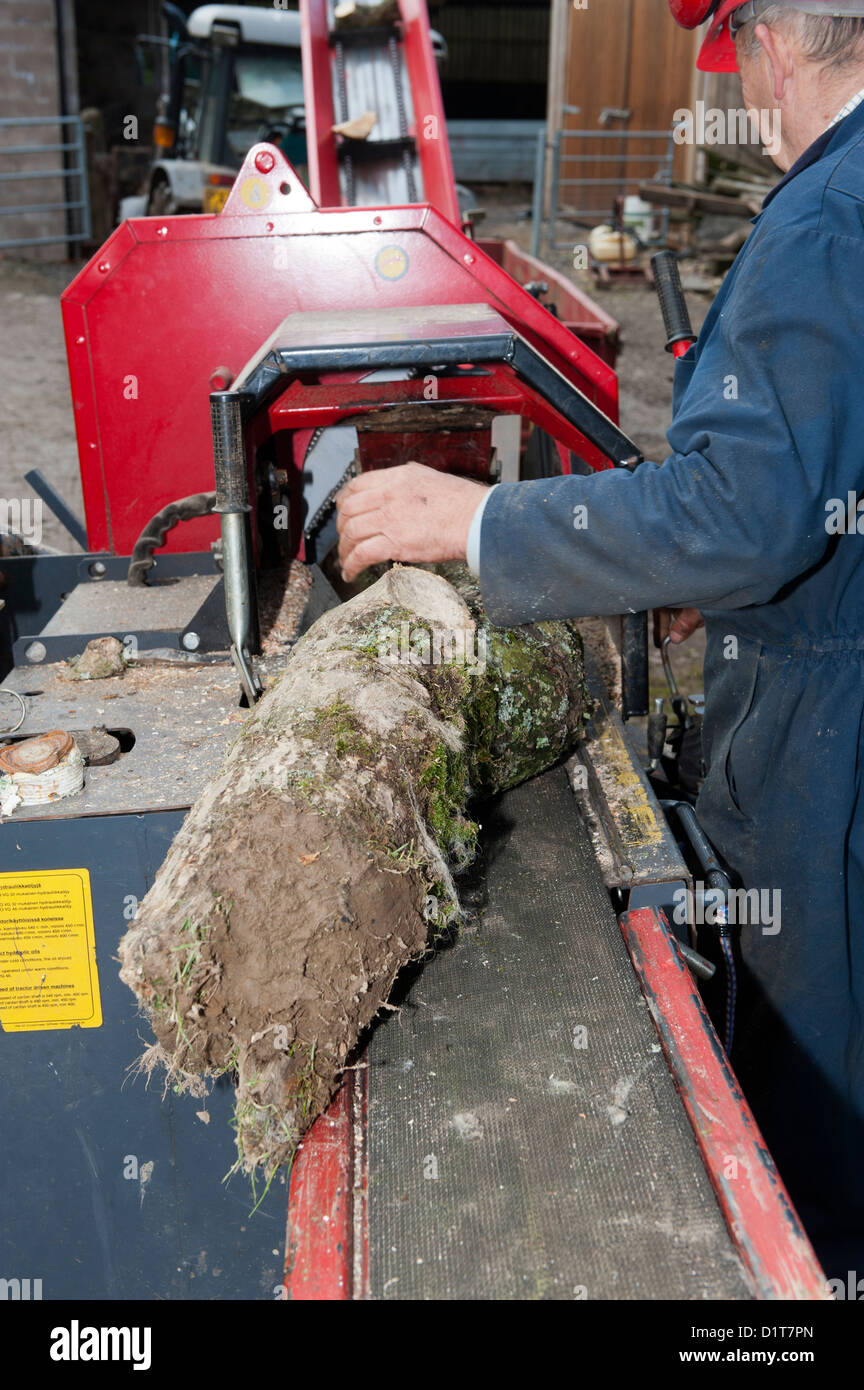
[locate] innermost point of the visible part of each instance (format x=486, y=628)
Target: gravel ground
x=36, y=419
x=37, y=429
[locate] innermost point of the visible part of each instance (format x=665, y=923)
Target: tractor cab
x=234, y=78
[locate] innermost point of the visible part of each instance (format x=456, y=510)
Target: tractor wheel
x=161, y=201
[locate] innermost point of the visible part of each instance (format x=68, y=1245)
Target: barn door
x=629, y=67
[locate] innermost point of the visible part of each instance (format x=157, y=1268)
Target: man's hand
x=676, y=623
x=405, y=513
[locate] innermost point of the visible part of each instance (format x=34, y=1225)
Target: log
x=320, y=860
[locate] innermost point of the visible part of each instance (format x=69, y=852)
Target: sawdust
x=281, y=600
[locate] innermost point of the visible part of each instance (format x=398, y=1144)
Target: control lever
x=233, y=507
x=676, y=317
x=676, y=699
x=656, y=734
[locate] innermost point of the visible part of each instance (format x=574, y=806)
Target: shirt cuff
x=472, y=550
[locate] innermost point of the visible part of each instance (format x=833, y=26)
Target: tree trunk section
x=320, y=859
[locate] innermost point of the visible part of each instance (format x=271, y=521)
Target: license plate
x=215, y=199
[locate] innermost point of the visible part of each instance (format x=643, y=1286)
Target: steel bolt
x=191, y=641
x=264, y=161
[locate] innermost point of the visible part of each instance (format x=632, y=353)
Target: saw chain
x=326, y=507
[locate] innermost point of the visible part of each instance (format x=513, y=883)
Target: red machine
x=223, y=284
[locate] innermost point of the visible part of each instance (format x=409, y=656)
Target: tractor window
x=267, y=95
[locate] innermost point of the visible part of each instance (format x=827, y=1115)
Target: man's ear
x=778, y=52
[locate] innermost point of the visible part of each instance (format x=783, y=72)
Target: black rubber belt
x=511, y=1154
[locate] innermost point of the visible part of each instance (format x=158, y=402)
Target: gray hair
x=831, y=42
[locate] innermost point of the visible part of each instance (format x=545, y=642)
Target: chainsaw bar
x=323, y=511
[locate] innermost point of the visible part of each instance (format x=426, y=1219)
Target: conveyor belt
x=510, y=1154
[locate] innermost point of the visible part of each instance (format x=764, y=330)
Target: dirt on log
x=320, y=859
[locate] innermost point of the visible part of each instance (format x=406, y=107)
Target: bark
x=320, y=860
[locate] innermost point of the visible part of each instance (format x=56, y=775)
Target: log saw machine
x=550, y=1112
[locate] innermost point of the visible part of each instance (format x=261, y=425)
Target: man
x=747, y=522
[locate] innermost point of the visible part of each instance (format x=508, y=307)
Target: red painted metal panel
x=168, y=301
x=576, y=310
x=433, y=146
x=307, y=407
x=327, y=1254
x=318, y=98
x=762, y=1221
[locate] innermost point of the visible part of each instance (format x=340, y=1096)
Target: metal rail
x=627, y=181
x=76, y=208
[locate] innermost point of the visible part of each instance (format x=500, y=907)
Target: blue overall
x=750, y=521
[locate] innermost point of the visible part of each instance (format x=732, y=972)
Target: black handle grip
x=673, y=305
x=229, y=453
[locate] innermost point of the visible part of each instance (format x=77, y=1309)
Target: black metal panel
x=33, y=585
x=635, y=682
x=73, y=1117
x=582, y=414
x=376, y=356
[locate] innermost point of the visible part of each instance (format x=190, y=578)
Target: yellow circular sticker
x=391, y=262
x=255, y=193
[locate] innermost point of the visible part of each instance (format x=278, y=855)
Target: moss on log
x=320, y=859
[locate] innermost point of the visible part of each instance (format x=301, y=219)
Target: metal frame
x=623, y=184
x=762, y=1221
x=78, y=171
x=415, y=51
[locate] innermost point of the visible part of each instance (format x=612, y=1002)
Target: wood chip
x=358, y=128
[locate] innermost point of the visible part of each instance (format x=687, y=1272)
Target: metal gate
x=69, y=180
x=637, y=156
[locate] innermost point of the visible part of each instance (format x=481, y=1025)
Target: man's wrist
x=472, y=548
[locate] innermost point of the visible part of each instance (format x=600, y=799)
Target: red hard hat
x=717, y=53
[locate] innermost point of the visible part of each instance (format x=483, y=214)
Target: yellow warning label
x=48, y=973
